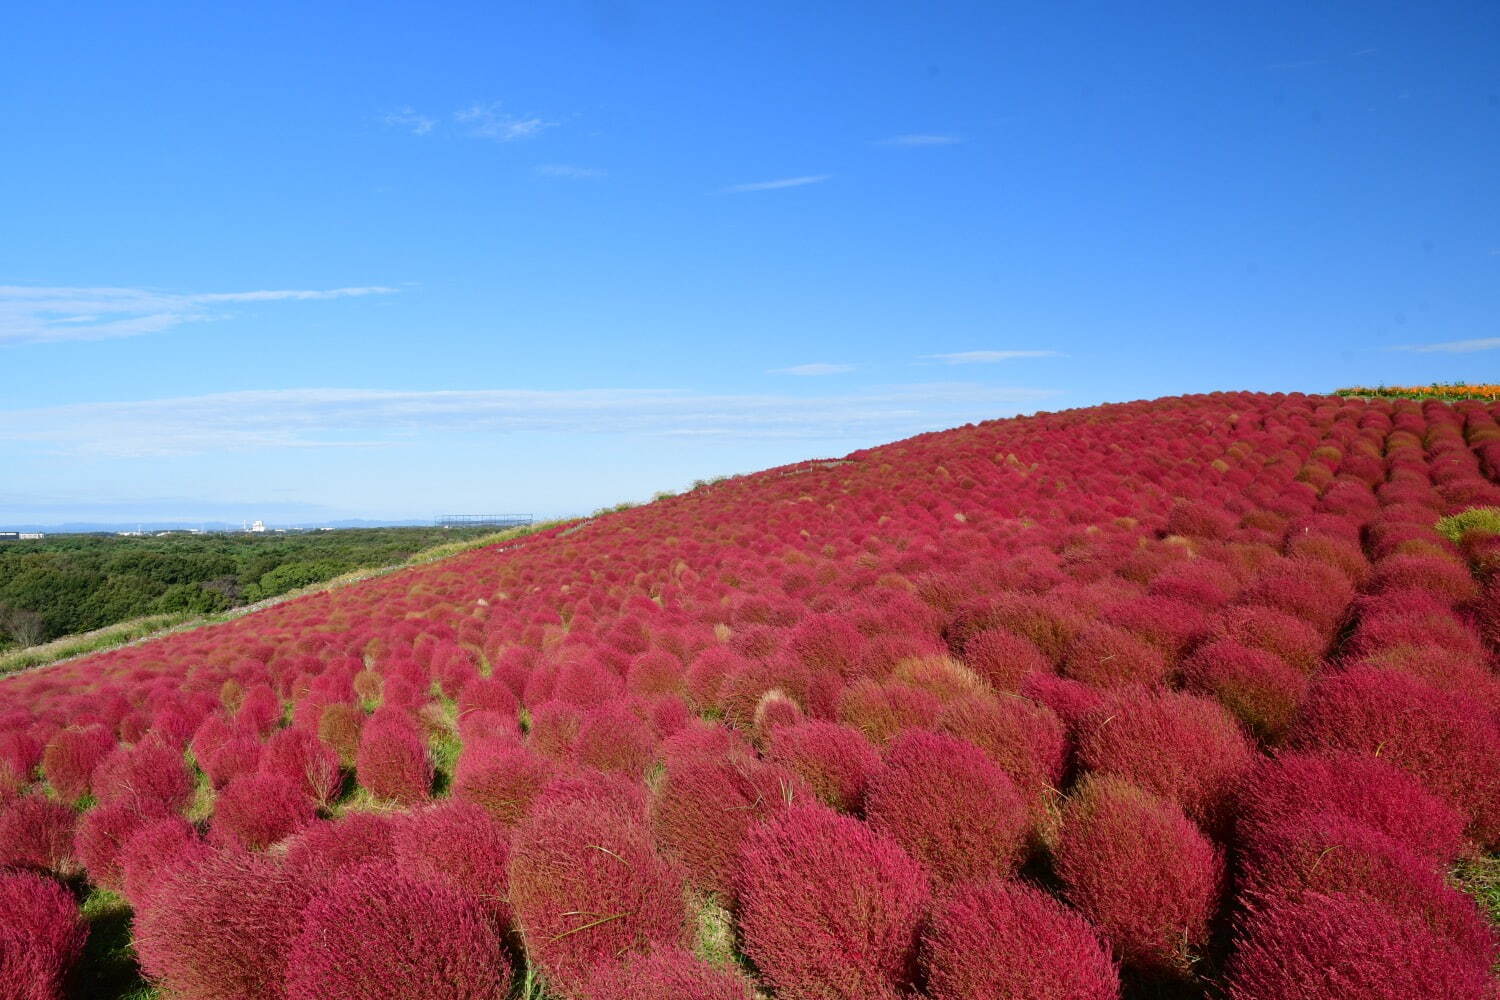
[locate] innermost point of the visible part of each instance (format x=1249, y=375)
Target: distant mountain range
x=83, y=527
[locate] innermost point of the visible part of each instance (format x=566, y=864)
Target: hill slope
x=1009, y=688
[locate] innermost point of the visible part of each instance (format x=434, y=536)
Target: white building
x=258, y=526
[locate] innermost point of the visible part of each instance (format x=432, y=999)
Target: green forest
x=66, y=584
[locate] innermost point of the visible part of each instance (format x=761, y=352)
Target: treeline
x=65, y=584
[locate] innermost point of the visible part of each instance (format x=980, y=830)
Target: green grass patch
x=1484, y=520
x=108, y=969
x=1480, y=878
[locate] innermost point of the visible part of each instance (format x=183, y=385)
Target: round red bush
x=103, y=832
x=1260, y=688
x=72, y=755
x=458, y=843
x=503, y=777
x=41, y=936
x=1008, y=941
x=36, y=832
x=155, y=850
x=306, y=760
x=1004, y=658
x=255, y=811
x=1445, y=740
x=949, y=806
x=881, y=710
x=378, y=932
x=587, y=888
x=1179, y=746
x=704, y=807
x=828, y=907
x=149, y=771
x=1285, y=635
x=393, y=763
x=1363, y=787
x=1104, y=656
x=665, y=974
x=221, y=928
x=1329, y=853
x=326, y=847
x=1142, y=872
x=835, y=761
x=1338, y=947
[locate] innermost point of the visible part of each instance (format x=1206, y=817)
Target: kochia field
x=1180, y=698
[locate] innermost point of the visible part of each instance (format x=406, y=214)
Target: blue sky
x=390, y=261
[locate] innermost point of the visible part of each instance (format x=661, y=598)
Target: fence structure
x=486, y=520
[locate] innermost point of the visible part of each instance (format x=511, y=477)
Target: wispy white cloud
x=1453, y=346
x=921, y=139
x=328, y=418
x=569, y=171
x=987, y=357
x=30, y=314
x=816, y=368
x=776, y=185
x=407, y=119
x=488, y=121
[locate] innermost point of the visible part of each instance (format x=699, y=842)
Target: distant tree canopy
x=65, y=584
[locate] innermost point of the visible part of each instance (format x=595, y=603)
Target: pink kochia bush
x=220, y=929
x=665, y=974
x=393, y=760
x=829, y=909
x=1142, y=872
x=835, y=761
x=704, y=807
x=1287, y=788
x=1444, y=740
x=1179, y=746
x=41, y=936
x=587, y=888
x=459, y=844
x=949, y=806
x=255, y=811
x=1008, y=941
x=71, y=757
x=36, y=832
x=1338, y=947
x=378, y=932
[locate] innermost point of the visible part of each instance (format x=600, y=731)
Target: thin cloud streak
x=777, y=185
x=487, y=121
x=43, y=315
x=816, y=368
x=1453, y=346
x=987, y=357
x=342, y=418
x=921, y=139
x=569, y=171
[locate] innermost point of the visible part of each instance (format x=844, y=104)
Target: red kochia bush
x=379, y=932
x=1445, y=740
x=503, y=777
x=704, y=807
x=1104, y=656
x=393, y=760
x=834, y=760
x=221, y=928
x=665, y=974
x=306, y=760
x=1339, y=947
x=72, y=755
x=1140, y=870
x=1260, y=627
x=587, y=888
x=828, y=907
x=36, y=832
x=1326, y=853
x=1363, y=787
x=1008, y=941
x=1183, y=747
x=1004, y=658
x=1260, y=688
x=255, y=811
x=154, y=851
x=41, y=936
x=458, y=843
x=103, y=832
x=149, y=771
x=326, y=847
x=949, y=806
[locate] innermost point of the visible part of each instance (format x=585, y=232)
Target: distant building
x=10, y=536
x=32, y=536
x=257, y=526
